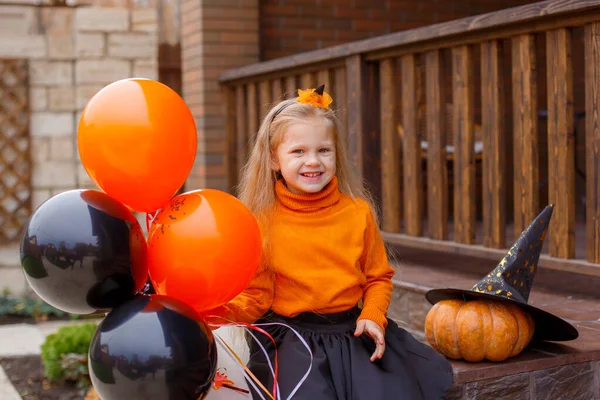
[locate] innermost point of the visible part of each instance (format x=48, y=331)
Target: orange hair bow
x=316, y=97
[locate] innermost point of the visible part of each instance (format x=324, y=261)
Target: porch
x=464, y=131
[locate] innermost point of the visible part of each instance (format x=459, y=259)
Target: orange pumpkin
x=478, y=329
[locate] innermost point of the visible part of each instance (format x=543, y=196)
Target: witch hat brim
x=547, y=326
x=512, y=279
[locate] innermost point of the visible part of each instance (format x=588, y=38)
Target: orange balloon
x=204, y=248
x=137, y=141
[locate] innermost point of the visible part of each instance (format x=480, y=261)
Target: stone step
x=545, y=370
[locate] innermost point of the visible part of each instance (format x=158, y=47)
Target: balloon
x=83, y=252
x=204, y=248
x=137, y=141
x=152, y=347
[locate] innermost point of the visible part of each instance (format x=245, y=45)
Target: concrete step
x=545, y=370
x=7, y=390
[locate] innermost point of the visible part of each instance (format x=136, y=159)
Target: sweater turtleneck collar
x=308, y=202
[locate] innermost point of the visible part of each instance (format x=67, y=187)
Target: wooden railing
x=464, y=130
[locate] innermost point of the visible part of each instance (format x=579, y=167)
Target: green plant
x=27, y=307
x=73, y=339
x=75, y=367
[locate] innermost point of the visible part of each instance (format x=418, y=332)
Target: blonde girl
x=325, y=270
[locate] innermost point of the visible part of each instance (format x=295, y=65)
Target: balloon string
x=246, y=369
x=221, y=380
x=275, y=371
x=306, y=345
x=257, y=328
x=252, y=380
x=266, y=353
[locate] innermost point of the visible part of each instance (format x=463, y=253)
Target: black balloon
x=152, y=347
x=83, y=252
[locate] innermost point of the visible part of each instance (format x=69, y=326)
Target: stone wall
x=574, y=381
x=72, y=53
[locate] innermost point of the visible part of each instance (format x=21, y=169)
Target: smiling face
x=306, y=157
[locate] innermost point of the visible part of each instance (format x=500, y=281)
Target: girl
x=323, y=255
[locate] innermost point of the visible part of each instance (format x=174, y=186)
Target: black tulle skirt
x=341, y=366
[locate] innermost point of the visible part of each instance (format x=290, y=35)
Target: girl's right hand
x=374, y=331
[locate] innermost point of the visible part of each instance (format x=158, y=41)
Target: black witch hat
x=512, y=279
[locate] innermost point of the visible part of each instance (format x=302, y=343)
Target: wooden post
x=291, y=86
x=592, y=140
x=241, y=126
x=276, y=90
x=494, y=146
x=253, y=118
x=307, y=80
x=525, y=133
x=264, y=98
x=230, y=136
x=324, y=78
x=413, y=185
x=355, y=100
x=464, y=154
x=437, y=170
x=340, y=102
x=561, y=143
x=390, y=147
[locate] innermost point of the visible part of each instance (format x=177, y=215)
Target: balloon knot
x=221, y=380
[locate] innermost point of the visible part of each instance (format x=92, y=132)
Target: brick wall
x=217, y=35
x=292, y=26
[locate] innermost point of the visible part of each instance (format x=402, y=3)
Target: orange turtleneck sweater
x=325, y=254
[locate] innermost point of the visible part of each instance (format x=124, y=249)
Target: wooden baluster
x=464, y=154
x=390, y=147
x=494, y=146
x=307, y=80
x=253, y=118
x=276, y=90
x=592, y=140
x=230, y=136
x=291, y=86
x=525, y=133
x=242, y=126
x=437, y=171
x=371, y=137
x=561, y=143
x=355, y=105
x=413, y=185
x=339, y=102
x=324, y=78
x=264, y=98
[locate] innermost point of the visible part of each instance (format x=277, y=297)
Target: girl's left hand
x=374, y=331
